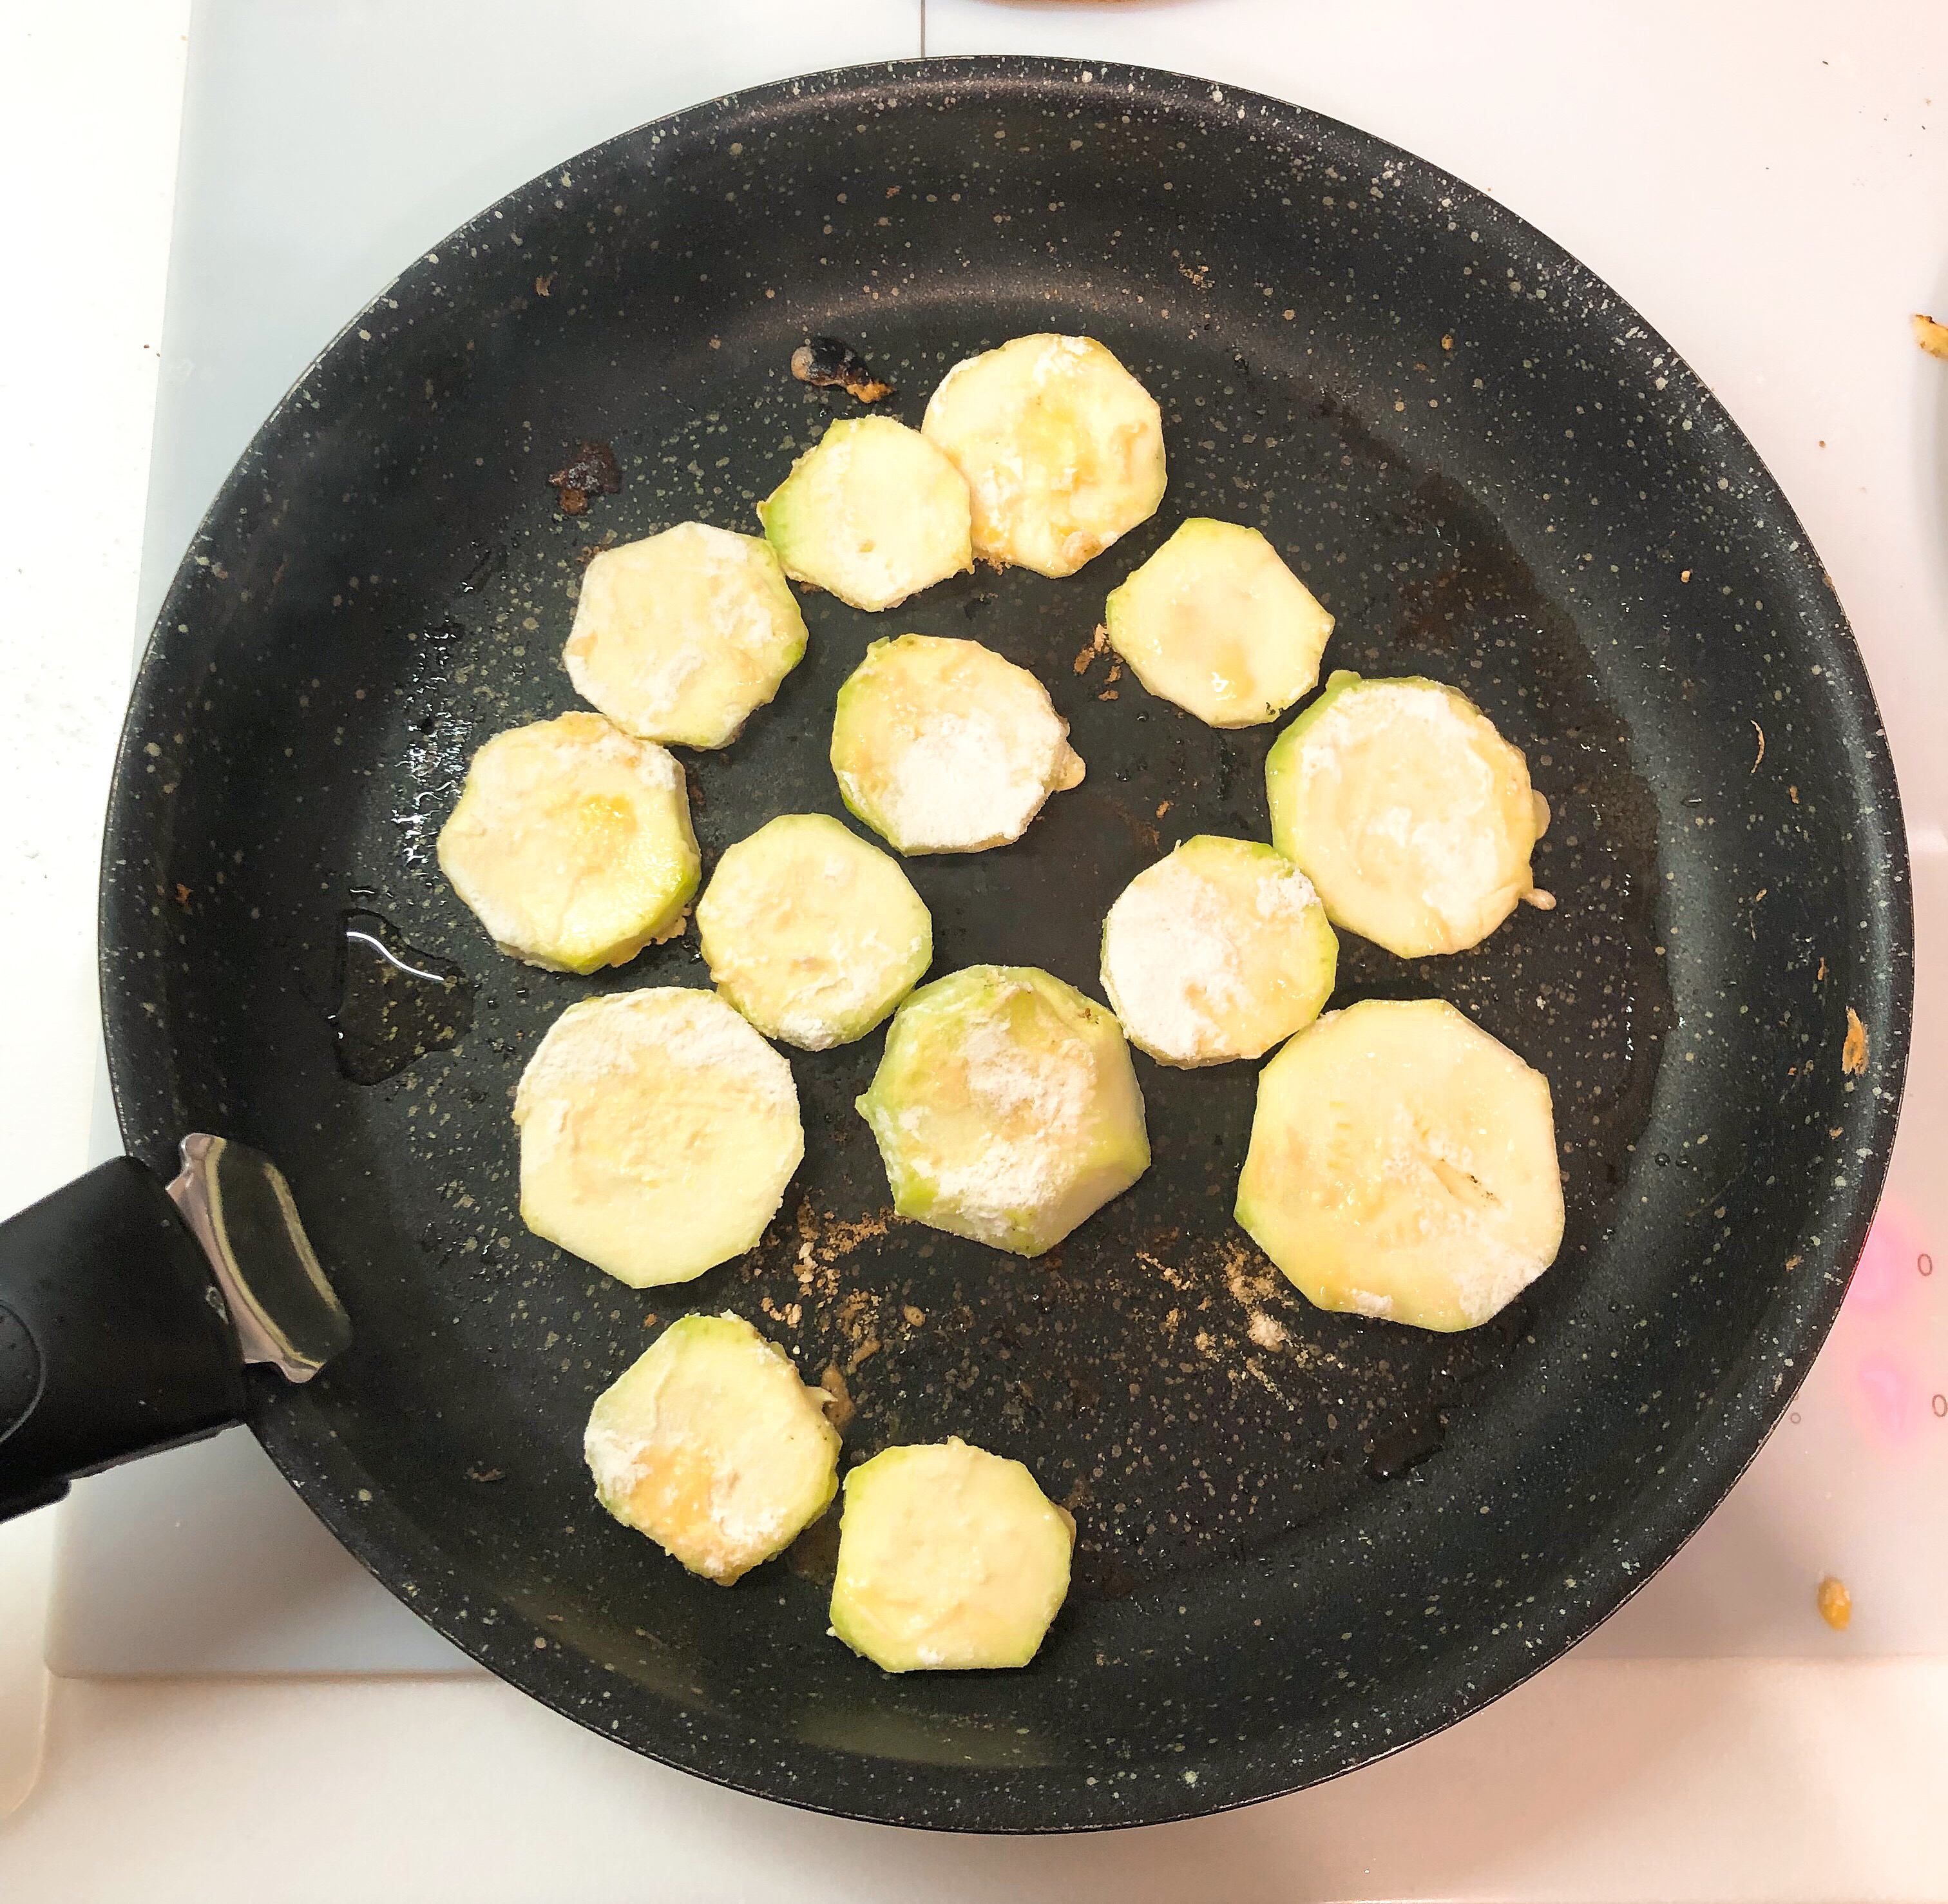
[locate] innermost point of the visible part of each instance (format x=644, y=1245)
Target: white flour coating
x=1283, y=895
x=834, y=991
x=1175, y=951
x=617, y=1460
x=759, y=1445
x=511, y=847
x=666, y=1029
x=654, y=687
x=637, y=660
x=1036, y=1100
x=1170, y=960
x=975, y=778
x=814, y=926
x=1088, y=424
x=1461, y=853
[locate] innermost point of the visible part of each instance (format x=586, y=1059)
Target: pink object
x=1888, y=1393
x=1887, y=1271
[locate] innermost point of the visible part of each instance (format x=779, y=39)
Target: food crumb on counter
x=1931, y=336
x=1835, y=1603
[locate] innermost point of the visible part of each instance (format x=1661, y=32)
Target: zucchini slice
x=872, y=513
x=710, y=1444
x=1413, y=818
x=679, y=637
x=572, y=844
x=1220, y=951
x=658, y=1133
x=811, y=933
x=950, y=1558
x=1062, y=447
x=940, y=746
x=1403, y=1164
x=1006, y=1108
x=1216, y=623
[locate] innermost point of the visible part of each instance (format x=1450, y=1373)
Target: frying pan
x=1305, y=1539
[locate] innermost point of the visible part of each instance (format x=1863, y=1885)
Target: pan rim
x=1757, y=1389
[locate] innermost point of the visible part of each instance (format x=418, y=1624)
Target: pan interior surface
x=1305, y=1538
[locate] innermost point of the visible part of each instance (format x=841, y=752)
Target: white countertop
x=1765, y=184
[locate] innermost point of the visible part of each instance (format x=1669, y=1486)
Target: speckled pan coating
x=1490, y=470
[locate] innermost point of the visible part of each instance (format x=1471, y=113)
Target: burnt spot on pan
x=592, y=471
x=829, y=363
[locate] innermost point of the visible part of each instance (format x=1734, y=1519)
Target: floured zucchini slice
x=1217, y=952
x=1413, y=818
x=678, y=637
x=1006, y=1108
x=1061, y=446
x=711, y=1446
x=572, y=844
x=872, y=514
x=1403, y=1163
x=658, y=1133
x=1216, y=623
x=940, y=746
x=811, y=933
x=950, y=1558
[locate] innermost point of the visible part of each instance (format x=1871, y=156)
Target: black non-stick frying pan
x=1305, y=1539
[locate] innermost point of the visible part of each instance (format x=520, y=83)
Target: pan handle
x=128, y=1308
x=115, y=1339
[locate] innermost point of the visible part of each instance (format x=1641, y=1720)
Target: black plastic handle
x=114, y=1338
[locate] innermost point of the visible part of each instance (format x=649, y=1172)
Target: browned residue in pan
x=839, y=1409
x=831, y=363
x=592, y=470
x=1854, y=1052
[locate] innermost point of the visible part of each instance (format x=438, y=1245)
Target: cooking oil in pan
x=395, y=1003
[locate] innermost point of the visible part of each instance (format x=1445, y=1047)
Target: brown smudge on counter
x=593, y=471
